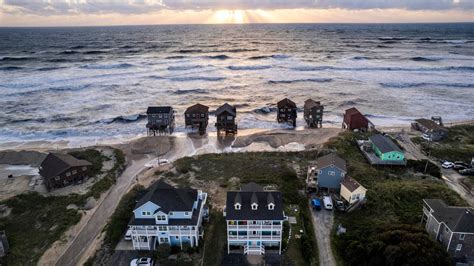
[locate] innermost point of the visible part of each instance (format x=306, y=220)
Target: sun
x=229, y=17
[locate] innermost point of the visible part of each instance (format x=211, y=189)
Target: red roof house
x=353, y=119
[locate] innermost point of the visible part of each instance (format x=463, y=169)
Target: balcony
x=254, y=237
x=254, y=227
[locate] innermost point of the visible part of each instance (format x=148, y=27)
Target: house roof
x=310, y=103
x=351, y=184
x=249, y=196
x=197, y=108
x=429, y=124
x=331, y=159
x=226, y=108
x=169, y=198
x=354, y=112
x=57, y=163
x=286, y=102
x=384, y=144
x=457, y=219
x=159, y=109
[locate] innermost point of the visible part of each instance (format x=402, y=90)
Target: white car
x=426, y=137
x=447, y=165
x=327, y=202
x=156, y=163
x=128, y=235
x=142, y=262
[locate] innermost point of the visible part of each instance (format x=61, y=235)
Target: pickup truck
x=327, y=202
x=316, y=204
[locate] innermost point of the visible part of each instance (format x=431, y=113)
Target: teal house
x=386, y=149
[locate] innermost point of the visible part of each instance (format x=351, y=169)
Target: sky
x=148, y=12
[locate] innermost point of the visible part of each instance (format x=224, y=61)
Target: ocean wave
x=48, y=68
x=265, y=110
x=95, y=52
x=275, y=56
x=185, y=67
x=318, y=80
x=188, y=51
x=70, y=88
x=393, y=38
x=249, y=67
x=322, y=68
x=57, y=60
x=77, y=47
x=68, y=52
x=425, y=84
x=238, y=50
x=425, y=59
x=113, y=66
x=10, y=68
x=15, y=59
x=197, y=78
x=123, y=119
x=175, y=57
x=190, y=91
x=220, y=57
x=361, y=58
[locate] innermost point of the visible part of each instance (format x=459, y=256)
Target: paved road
x=99, y=218
x=322, y=222
x=450, y=177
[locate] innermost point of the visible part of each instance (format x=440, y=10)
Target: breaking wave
x=123, y=119
x=425, y=84
x=318, y=80
x=220, y=57
x=190, y=91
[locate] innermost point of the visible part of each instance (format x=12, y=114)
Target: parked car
x=426, y=137
x=459, y=167
x=468, y=171
x=447, y=165
x=142, y=262
x=340, y=205
x=461, y=163
x=316, y=204
x=327, y=202
x=128, y=235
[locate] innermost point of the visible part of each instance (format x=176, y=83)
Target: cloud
x=65, y=7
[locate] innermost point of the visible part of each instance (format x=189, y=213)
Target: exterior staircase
x=254, y=250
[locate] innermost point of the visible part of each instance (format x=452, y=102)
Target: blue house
x=168, y=215
x=329, y=172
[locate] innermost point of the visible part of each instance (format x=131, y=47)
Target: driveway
x=103, y=212
x=323, y=221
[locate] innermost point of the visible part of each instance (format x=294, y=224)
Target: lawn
x=37, y=221
x=394, y=206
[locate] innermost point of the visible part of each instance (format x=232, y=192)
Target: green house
x=385, y=149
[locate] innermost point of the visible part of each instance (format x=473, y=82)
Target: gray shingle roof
x=310, y=103
x=331, y=159
x=169, y=198
x=384, y=143
x=197, y=108
x=226, y=108
x=458, y=219
x=57, y=163
x=159, y=109
x=350, y=183
x=246, y=212
x=286, y=102
x=429, y=124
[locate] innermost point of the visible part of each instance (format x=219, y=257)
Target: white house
x=254, y=220
x=351, y=190
x=168, y=215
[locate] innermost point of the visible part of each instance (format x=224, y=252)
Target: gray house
x=452, y=226
x=429, y=127
x=160, y=119
x=330, y=170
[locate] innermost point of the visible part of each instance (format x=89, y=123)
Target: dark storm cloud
x=44, y=7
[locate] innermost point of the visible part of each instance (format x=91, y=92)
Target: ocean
x=95, y=83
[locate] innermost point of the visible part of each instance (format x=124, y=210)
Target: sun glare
x=229, y=17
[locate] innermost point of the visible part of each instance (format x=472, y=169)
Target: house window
x=162, y=228
x=461, y=236
x=187, y=115
x=186, y=213
x=74, y=172
x=237, y=206
x=171, y=213
x=146, y=213
x=84, y=168
x=161, y=218
x=229, y=118
x=331, y=173
x=202, y=115
x=177, y=237
x=163, y=240
x=159, y=116
x=68, y=174
x=320, y=172
x=271, y=206
x=459, y=247
x=254, y=206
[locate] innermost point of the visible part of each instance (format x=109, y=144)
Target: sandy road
x=323, y=221
x=94, y=226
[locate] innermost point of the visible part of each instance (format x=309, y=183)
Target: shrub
x=163, y=251
x=420, y=166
